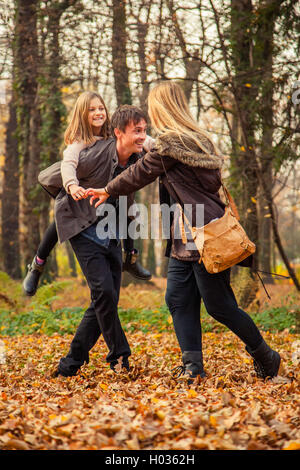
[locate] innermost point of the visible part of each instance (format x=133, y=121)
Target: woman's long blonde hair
x=79, y=128
x=169, y=113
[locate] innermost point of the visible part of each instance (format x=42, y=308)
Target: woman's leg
x=221, y=304
x=183, y=300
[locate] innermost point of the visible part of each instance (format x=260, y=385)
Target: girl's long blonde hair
x=79, y=128
x=169, y=113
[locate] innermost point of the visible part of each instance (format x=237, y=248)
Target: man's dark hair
x=126, y=114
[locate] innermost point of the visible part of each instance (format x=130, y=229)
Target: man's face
x=133, y=138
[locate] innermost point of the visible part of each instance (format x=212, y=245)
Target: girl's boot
x=31, y=281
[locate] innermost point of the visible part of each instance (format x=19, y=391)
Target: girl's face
x=96, y=115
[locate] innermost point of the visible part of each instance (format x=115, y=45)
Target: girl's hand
x=100, y=194
x=77, y=192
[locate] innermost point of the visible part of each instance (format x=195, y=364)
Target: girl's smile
x=97, y=114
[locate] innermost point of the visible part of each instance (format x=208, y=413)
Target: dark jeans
x=50, y=239
x=102, y=268
x=188, y=283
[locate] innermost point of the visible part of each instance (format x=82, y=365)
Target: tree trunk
x=263, y=59
x=192, y=64
x=265, y=228
x=142, y=33
x=10, y=199
x=242, y=57
x=26, y=72
x=119, y=55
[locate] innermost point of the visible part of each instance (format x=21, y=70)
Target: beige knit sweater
x=70, y=163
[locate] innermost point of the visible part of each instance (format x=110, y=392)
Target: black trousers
x=50, y=239
x=188, y=283
x=102, y=268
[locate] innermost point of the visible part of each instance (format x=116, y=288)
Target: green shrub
x=65, y=321
x=277, y=319
x=41, y=320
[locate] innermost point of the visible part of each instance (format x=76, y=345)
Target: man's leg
x=85, y=338
x=102, y=269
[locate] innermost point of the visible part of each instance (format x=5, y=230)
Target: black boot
x=131, y=265
x=120, y=364
x=192, y=366
x=31, y=281
x=266, y=361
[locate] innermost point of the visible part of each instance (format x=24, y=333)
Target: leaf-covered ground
x=147, y=408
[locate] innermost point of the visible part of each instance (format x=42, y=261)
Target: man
x=100, y=258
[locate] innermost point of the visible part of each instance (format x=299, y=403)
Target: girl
x=89, y=122
x=189, y=165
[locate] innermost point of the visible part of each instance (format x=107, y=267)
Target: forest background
x=238, y=63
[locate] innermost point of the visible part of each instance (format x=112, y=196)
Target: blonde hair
x=169, y=113
x=79, y=127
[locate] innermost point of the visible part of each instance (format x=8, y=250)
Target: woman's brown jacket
x=193, y=177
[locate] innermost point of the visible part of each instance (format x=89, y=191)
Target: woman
x=188, y=164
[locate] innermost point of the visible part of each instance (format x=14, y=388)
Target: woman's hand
x=100, y=194
x=77, y=192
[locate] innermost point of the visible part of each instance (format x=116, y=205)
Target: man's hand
x=77, y=192
x=100, y=194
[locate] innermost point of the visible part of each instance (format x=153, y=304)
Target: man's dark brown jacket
x=96, y=167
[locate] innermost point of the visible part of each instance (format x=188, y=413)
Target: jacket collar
x=188, y=152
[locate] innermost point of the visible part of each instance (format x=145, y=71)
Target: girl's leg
x=35, y=269
x=48, y=242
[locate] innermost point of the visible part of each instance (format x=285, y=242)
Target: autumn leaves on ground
x=147, y=408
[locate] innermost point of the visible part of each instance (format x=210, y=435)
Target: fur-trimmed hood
x=188, y=152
